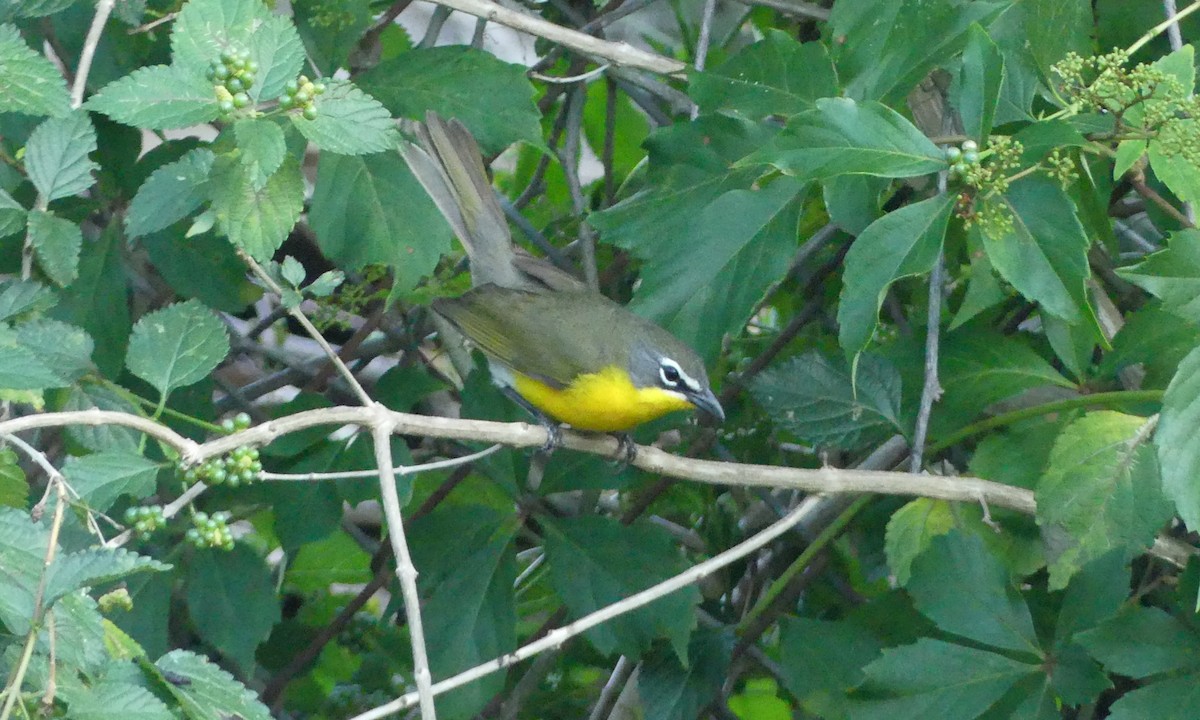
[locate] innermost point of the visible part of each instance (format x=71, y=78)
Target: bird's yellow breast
x=605, y=401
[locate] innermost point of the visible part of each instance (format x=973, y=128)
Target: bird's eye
x=670, y=374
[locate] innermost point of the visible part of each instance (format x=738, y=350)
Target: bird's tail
x=448, y=164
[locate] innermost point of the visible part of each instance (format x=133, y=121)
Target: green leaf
x=261, y=148
x=98, y=300
x=12, y=215
x=1142, y=641
x=1176, y=170
x=116, y=701
x=29, y=83
x=492, y=98
x=370, y=209
x=176, y=346
x=933, y=678
x=1100, y=492
x=348, y=122
x=911, y=529
x=707, y=283
x=1156, y=341
x=884, y=48
x=101, y=438
x=56, y=156
x=823, y=654
x=596, y=561
x=18, y=297
x=671, y=690
x=842, y=137
x=1044, y=253
x=171, y=193
x=205, y=691
x=815, y=398
x=335, y=559
x=21, y=369
x=14, y=487
x=774, y=76
x=330, y=43
x=760, y=699
x=902, y=243
x=205, y=267
x=101, y=478
x=35, y=8
x=231, y=601
x=965, y=590
x=96, y=566
x=275, y=45
x=256, y=220
x=1017, y=455
x=1178, y=452
x=1172, y=275
x=1055, y=28
x=979, y=82
x=1169, y=699
x=56, y=244
x=468, y=568
x=159, y=97
x=65, y=348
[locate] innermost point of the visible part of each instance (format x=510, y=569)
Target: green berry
x=252, y=66
x=959, y=168
x=970, y=157
x=247, y=78
x=302, y=97
x=310, y=112
x=130, y=515
x=241, y=421
x=969, y=146
x=193, y=536
x=953, y=154
x=241, y=100
x=235, y=85
x=319, y=88
x=225, y=106
x=290, y=87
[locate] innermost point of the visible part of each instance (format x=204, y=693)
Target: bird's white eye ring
x=670, y=373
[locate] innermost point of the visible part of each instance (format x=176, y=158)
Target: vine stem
x=1163, y=26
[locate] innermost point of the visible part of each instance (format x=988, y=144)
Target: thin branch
x=1138, y=180
x=618, y=53
x=400, y=470
x=103, y=10
x=932, y=388
x=612, y=689
x=1162, y=26
x=706, y=21
x=406, y=572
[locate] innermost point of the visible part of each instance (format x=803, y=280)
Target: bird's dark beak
x=707, y=403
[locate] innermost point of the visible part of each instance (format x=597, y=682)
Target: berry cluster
x=240, y=467
x=145, y=519
x=210, y=531
x=356, y=636
x=961, y=159
x=231, y=77
x=301, y=94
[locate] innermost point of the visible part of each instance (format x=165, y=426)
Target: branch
x=103, y=9
x=618, y=53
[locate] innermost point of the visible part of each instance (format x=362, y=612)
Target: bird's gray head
x=673, y=367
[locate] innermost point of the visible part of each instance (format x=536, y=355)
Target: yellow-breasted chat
x=563, y=351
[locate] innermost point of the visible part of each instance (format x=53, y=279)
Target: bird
x=564, y=352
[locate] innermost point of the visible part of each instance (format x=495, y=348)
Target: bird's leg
x=626, y=450
x=553, y=432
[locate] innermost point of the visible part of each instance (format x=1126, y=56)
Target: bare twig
x=932, y=389
x=618, y=53
x=706, y=21
x=103, y=10
x=400, y=470
x=612, y=689
x=381, y=434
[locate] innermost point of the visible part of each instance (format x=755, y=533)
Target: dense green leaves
x=348, y=122
x=1177, y=451
x=1173, y=275
x=160, y=97
x=231, y=599
x=256, y=217
x=204, y=690
x=774, y=76
x=171, y=193
x=103, y=477
x=176, y=346
x=29, y=83
x=56, y=156
x=56, y=242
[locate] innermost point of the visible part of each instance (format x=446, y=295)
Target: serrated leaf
x=1154, y=340
x=902, y=243
x=256, y=220
x=204, y=266
x=65, y=348
x=276, y=47
x=12, y=215
x=775, y=76
x=494, y=99
x=959, y=585
x=56, y=156
x=1044, y=253
x=814, y=398
x=335, y=559
x=370, y=209
x=176, y=346
x=38, y=8
x=56, y=244
x=18, y=297
x=117, y=701
x=979, y=82
x=21, y=369
x=206, y=692
x=1172, y=275
x=933, y=678
x=171, y=193
x=1175, y=438
x=262, y=148
x=911, y=529
x=101, y=478
x=96, y=566
x=29, y=83
x=1143, y=641
x=595, y=561
x=1100, y=492
x=348, y=122
x=842, y=137
x=159, y=97
x=14, y=487
x=98, y=300
x=231, y=600
x=100, y=438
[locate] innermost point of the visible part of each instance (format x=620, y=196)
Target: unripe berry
x=310, y=112
x=241, y=100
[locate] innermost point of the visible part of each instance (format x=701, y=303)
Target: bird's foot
x=626, y=450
